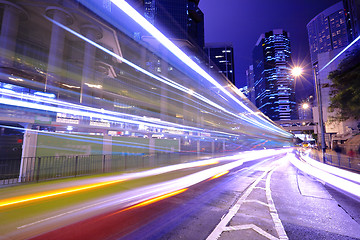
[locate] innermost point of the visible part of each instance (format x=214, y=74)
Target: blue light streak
x=167, y=43
x=133, y=14
x=346, y=48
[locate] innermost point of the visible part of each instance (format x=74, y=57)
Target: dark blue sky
x=242, y=22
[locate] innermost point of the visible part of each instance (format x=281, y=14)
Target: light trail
x=90, y=112
x=219, y=175
x=156, y=33
x=346, y=48
x=351, y=176
x=338, y=182
x=43, y=195
x=153, y=200
x=33, y=197
x=151, y=193
x=238, y=158
x=80, y=110
x=138, y=18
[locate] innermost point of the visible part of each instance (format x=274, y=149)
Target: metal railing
x=338, y=160
x=35, y=169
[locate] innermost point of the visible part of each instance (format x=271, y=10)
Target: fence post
x=76, y=163
x=349, y=162
x=38, y=170
x=103, y=164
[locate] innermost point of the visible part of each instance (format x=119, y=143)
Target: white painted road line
x=273, y=212
x=222, y=226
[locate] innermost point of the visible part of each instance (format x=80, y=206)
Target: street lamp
x=297, y=71
x=304, y=109
x=305, y=106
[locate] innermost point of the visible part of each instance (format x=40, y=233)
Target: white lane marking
x=256, y=201
x=215, y=234
x=260, y=188
x=278, y=225
x=253, y=227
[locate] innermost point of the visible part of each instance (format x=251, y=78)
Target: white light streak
x=182, y=56
x=354, y=177
x=80, y=110
x=338, y=182
x=132, y=13
x=346, y=48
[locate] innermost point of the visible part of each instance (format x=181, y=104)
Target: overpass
x=297, y=125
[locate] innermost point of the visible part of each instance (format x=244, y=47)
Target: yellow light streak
x=220, y=174
x=152, y=200
x=207, y=163
x=38, y=196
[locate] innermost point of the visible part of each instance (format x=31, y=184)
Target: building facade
x=352, y=15
x=221, y=59
x=327, y=31
x=250, y=83
x=273, y=83
x=177, y=19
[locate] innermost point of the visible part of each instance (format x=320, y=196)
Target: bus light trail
x=152, y=200
x=33, y=197
x=219, y=175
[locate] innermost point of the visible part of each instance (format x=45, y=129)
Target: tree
x=345, y=88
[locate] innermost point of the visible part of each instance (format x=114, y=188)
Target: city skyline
x=256, y=17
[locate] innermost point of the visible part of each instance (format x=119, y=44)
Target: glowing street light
x=305, y=106
x=297, y=71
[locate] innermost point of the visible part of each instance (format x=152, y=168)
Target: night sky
x=242, y=22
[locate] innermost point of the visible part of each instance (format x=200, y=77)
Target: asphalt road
x=192, y=214
x=261, y=199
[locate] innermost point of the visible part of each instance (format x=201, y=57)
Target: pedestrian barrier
x=338, y=159
x=36, y=169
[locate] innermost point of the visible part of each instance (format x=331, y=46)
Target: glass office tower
x=273, y=83
x=221, y=59
x=352, y=15
x=327, y=31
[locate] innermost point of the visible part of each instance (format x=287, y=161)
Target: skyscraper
x=221, y=59
x=327, y=31
x=352, y=15
x=177, y=19
x=273, y=83
x=250, y=83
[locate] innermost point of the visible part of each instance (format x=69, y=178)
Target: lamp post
x=296, y=72
x=320, y=111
